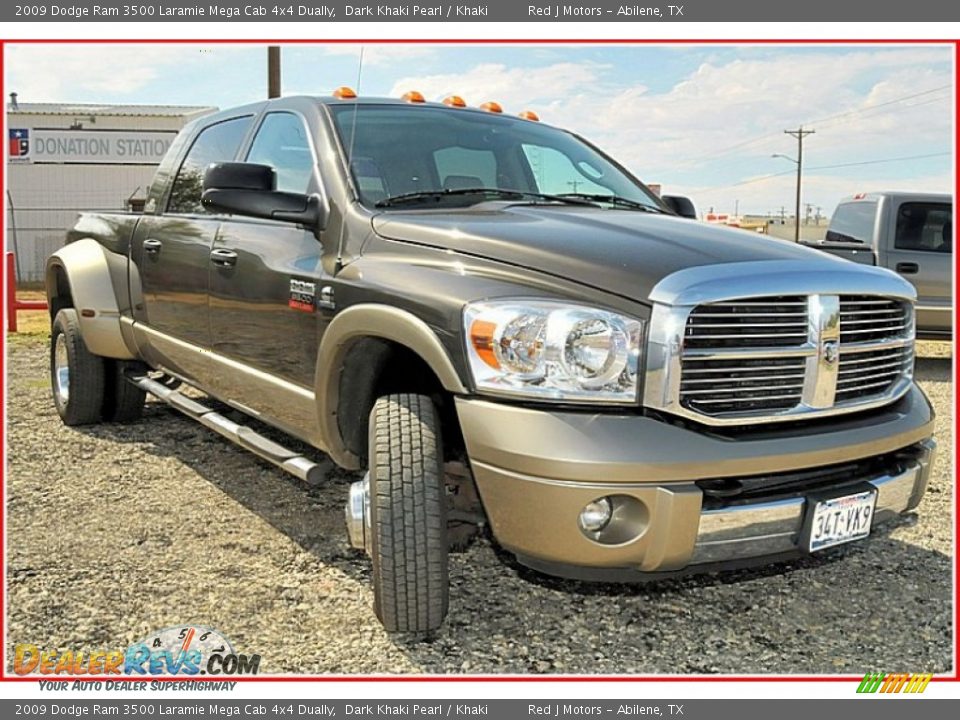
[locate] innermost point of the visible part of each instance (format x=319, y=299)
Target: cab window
x=281, y=142
x=926, y=227
x=216, y=143
x=555, y=173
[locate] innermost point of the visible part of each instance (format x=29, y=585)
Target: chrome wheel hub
x=358, y=514
x=61, y=370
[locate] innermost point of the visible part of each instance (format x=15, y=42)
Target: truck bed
x=855, y=252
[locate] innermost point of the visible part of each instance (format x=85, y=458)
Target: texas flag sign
x=19, y=143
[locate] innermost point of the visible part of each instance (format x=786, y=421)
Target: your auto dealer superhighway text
x=277, y=10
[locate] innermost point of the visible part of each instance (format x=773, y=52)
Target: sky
x=700, y=120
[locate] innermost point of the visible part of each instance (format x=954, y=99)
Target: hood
x=620, y=251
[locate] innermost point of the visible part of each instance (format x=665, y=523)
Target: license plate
x=841, y=520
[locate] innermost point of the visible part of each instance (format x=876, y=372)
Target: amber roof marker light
x=530, y=115
x=491, y=106
x=455, y=101
x=344, y=93
x=413, y=97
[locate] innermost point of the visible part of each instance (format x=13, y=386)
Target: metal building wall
x=44, y=199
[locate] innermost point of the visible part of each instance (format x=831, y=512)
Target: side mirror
x=682, y=206
x=249, y=189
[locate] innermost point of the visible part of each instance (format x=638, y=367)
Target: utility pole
x=799, y=134
x=273, y=71
x=736, y=208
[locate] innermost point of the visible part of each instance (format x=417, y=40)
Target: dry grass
x=32, y=322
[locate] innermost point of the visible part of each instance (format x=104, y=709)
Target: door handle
x=151, y=246
x=223, y=258
x=908, y=268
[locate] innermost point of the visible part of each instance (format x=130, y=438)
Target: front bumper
x=536, y=469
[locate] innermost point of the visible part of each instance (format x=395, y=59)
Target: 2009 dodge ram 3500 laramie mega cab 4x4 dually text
x=502, y=327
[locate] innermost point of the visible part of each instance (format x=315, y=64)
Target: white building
x=66, y=158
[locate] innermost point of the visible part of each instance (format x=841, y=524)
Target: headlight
x=553, y=351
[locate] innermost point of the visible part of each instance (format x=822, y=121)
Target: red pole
x=11, y=294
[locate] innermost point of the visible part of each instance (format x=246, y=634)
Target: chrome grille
x=865, y=319
x=712, y=387
x=770, y=322
x=871, y=373
x=788, y=355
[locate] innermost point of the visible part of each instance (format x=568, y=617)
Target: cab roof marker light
x=492, y=106
x=455, y=101
x=530, y=115
x=344, y=93
x=413, y=97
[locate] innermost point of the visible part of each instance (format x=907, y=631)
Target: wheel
x=124, y=400
x=408, y=515
x=77, y=376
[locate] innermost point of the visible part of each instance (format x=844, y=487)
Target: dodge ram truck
x=909, y=233
x=502, y=330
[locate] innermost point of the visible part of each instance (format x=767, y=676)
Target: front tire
x=77, y=376
x=408, y=514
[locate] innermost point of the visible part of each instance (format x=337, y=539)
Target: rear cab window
x=853, y=222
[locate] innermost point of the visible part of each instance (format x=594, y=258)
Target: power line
x=770, y=176
x=761, y=138
x=876, y=162
x=871, y=108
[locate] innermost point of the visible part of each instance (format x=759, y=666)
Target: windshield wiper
x=412, y=197
x=616, y=200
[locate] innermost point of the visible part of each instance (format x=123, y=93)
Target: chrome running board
x=293, y=462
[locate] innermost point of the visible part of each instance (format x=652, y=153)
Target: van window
x=924, y=226
x=853, y=222
x=216, y=143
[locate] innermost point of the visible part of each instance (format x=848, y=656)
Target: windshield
x=399, y=150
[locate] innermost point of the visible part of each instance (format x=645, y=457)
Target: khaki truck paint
x=415, y=291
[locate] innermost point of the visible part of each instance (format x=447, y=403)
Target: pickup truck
x=909, y=233
x=504, y=331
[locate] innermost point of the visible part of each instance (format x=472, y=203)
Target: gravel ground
x=116, y=531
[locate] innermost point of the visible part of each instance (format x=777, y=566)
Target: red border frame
x=5, y=678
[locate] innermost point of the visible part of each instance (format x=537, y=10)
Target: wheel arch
x=369, y=350
x=79, y=275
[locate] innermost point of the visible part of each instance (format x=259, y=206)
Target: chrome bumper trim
x=768, y=528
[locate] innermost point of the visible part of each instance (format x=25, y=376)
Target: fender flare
x=368, y=320
x=85, y=265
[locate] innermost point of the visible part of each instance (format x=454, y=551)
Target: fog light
x=595, y=515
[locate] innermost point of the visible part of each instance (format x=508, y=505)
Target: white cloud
x=720, y=106
x=516, y=88
x=72, y=73
x=374, y=54
x=725, y=104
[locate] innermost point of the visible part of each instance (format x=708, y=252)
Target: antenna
x=353, y=138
